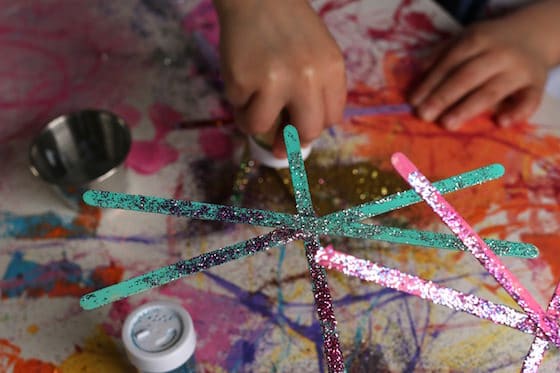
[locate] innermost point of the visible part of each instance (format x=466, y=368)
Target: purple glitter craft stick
x=397, y=280
x=319, y=285
x=539, y=346
x=323, y=303
x=475, y=245
x=182, y=268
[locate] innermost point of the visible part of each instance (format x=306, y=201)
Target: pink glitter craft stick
x=475, y=245
x=539, y=346
x=397, y=280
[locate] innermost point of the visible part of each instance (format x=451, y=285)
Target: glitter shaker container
x=159, y=337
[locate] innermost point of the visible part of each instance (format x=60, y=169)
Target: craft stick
x=319, y=284
x=539, y=346
x=413, y=285
x=406, y=198
x=182, y=268
x=340, y=223
x=475, y=245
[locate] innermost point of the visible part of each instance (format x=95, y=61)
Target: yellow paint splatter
x=99, y=354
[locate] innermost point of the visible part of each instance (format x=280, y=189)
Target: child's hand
x=495, y=65
x=278, y=54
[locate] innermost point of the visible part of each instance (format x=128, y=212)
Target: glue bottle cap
x=159, y=337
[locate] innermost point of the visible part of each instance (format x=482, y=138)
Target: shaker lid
x=159, y=336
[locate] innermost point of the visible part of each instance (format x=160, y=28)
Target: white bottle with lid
x=262, y=154
x=260, y=145
x=159, y=337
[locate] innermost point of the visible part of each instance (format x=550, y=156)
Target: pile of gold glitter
x=333, y=185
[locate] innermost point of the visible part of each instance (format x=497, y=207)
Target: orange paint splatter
x=107, y=275
x=88, y=217
x=32, y=329
x=549, y=247
x=11, y=361
x=440, y=153
x=34, y=366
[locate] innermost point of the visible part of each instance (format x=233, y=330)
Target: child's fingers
x=278, y=145
x=482, y=99
x=237, y=92
x=464, y=50
x=306, y=109
x=334, y=97
x=260, y=112
x=519, y=107
x=437, y=53
x=471, y=75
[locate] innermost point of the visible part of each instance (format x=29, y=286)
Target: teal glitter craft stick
x=187, y=267
x=209, y=211
x=327, y=225
x=191, y=209
x=426, y=239
x=410, y=197
x=319, y=285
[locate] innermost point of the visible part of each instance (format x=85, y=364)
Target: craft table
x=153, y=63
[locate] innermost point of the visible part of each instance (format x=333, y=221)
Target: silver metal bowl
x=79, y=151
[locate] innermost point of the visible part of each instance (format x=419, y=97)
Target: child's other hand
x=493, y=65
x=278, y=54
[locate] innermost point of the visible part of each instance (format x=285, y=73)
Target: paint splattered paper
x=137, y=59
x=290, y=230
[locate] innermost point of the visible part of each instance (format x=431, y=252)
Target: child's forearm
x=541, y=23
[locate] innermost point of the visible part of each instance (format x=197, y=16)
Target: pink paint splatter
x=164, y=118
x=215, y=143
x=218, y=320
x=128, y=113
x=150, y=156
x=203, y=19
x=54, y=62
x=118, y=313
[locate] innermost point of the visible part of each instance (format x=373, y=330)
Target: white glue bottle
x=260, y=145
x=159, y=337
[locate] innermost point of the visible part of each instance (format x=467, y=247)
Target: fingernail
x=428, y=113
x=504, y=121
x=451, y=122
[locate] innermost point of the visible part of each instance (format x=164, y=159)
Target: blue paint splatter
x=38, y=226
x=23, y=275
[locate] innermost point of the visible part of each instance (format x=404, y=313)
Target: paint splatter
x=55, y=64
x=99, y=354
x=149, y=156
x=204, y=19
x=55, y=279
x=522, y=150
x=215, y=143
x=11, y=361
x=50, y=224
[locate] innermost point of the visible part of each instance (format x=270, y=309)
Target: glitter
x=547, y=322
x=540, y=344
x=474, y=244
x=302, y=226
x=397, y=280
x=319, y=285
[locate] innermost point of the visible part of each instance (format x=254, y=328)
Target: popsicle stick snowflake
x=304, y=225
